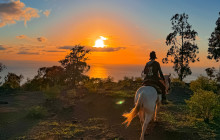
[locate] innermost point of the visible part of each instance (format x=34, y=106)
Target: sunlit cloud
x=107, y=49
x=39, y=39
x=2, y=48
x=95, y=49
x=13, y=11
x=21, y=37
x=47, y=13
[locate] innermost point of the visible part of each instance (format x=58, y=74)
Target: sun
x=99, y=43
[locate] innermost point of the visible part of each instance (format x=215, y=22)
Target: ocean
x=29, y=69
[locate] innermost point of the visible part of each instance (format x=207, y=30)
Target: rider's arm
x=145, y=69
x=161, y=73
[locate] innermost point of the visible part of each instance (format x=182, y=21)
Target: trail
x=94, y=105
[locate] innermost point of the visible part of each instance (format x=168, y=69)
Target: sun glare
x=99, y=43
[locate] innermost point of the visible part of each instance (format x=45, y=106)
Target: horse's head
x=167, y=82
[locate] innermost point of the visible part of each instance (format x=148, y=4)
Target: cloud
x=47, y=13
x=13, y=11
x=41, y=39
x=28, y=53
x=108, y=49
x=2, y=48
x=66, y=47
x=21, y=37
x=53, y=51
x=94, y=49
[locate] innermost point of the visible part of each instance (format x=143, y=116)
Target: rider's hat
x=153, y=55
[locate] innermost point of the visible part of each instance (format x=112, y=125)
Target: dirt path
x=92, y=117
x=13, y=115
x=96, y=106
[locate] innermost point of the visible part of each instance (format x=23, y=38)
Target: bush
x=203, y=104
x=52, y=92
x=203, y=83
x=177, y=82
x=37, y=112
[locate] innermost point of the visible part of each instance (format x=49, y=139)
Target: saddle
x=153, y=84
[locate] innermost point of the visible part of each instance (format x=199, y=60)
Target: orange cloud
x=21, y=36
x=94, y=49
x=47, y=13
x=14, y=11
x=2, y=48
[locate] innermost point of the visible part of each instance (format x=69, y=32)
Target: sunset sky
x=44, y=30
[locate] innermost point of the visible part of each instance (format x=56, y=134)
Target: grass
x=176, y=117
x=37, y=112
x=122, y=93
x=66, y=129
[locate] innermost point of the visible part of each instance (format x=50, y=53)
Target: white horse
x=147, y=102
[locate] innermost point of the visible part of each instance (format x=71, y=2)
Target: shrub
x=37, y=112
x=177, y=82
x=203, y=104
x=203, y=83
x=52, y=92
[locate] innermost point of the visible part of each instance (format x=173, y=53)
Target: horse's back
x=148, y=96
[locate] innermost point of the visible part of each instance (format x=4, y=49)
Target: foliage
x=203, y=83
x=34, y=84
x=183, y=49
x=203, y=104
x=130, y=83
x=2, y=67
x=12, y=82
x=210, y=72
x=93, y=84
x=75, y=65
x=37, y=112
x=51, y=75
x=214, y=42
x=52, y=92
x=175, y=82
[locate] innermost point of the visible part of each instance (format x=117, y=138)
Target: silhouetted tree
x=75, y=65
x=2, y=67
x=214, y=43
x=210, y=72
x=183, y=48
x=51, y=75
x=12, y=81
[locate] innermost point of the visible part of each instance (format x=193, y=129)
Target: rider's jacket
x=153, y=70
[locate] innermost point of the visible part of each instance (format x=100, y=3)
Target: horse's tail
x=133, y=113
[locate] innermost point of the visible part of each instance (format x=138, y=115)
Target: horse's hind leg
x=146, y=122
x=155, y=112
x=141, y=116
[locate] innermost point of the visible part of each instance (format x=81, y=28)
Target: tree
x=210, y=72
x=75, y=65
x=214, y=43
x=2, y=67
x=12, y=81
x=51, y=75
x=183, y=48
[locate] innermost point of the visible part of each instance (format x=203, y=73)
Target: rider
x=152, y=71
